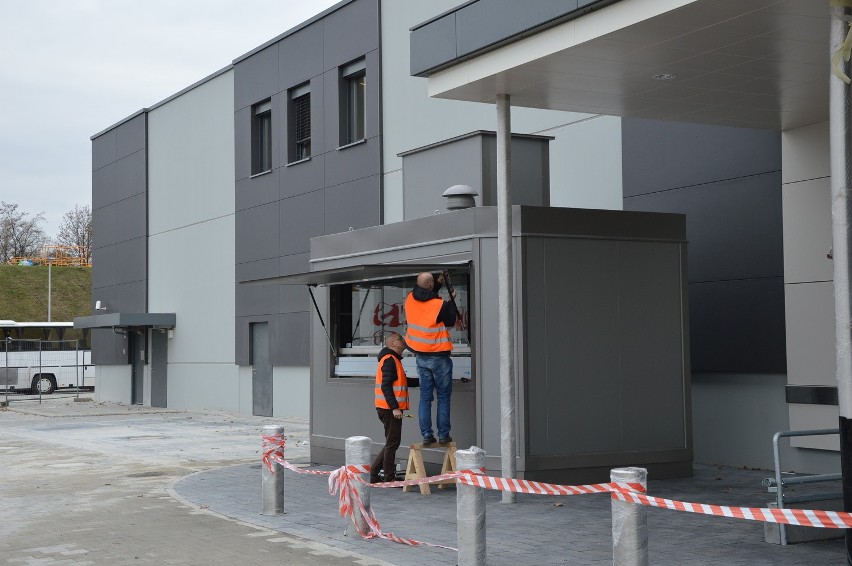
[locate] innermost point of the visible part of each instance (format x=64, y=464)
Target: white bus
x=41, y=357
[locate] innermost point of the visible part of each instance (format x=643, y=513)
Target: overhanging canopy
x=124, y=320
x=354, y=274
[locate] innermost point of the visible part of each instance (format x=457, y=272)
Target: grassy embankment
x=23, y=293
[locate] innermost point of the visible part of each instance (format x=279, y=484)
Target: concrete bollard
x=358, y=454
x=470, y=511
x=629, y=522
x=272, y=485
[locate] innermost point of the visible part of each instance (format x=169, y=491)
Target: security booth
x=601, y=336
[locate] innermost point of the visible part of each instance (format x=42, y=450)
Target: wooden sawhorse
x=416, y=469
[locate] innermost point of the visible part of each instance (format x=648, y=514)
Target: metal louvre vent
x=302, y=118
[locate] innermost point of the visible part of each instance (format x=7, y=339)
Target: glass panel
x=302, y=126
x=356, y=90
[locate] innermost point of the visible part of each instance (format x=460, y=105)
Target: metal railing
x=777, y=483
x=32, y=367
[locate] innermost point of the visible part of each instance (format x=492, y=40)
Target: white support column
x=841, y=214
x=358, y=454
x=505, y=305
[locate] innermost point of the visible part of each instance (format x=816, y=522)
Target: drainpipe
x=841, y=213
x=505, y=305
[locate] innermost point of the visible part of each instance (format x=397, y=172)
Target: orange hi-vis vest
x=424, y=333
x=400, y=385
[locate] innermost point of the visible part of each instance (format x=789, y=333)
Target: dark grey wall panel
x=132, y=296
x=103, y=186
x=296, y=263
x=257, y=233
x=373, y=106
x=103, y=150
x=103, y=227
x=650, y=297
x=738, y=326
x=727, y=182
x=489, y=21
x=433, y=44
x=242, y=143
x=350, y=32
x=130, y=137
x=304, y=177
x=108, y=348
x=353, y=205
x=105, y=274
x=131, y=218
x=256, y=78
x=667, y=155
x=129, y=263
x=345, y=165
x=290, y=340
x=300, y=57
x=261, y=269
x=294, y=298
x=302, y=217
x=131, y=175
x=734, y=227
x=257, y=299
x=256, y=191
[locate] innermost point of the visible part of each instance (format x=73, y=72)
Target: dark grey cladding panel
x=303, y=177
x=103, y=150
x=302, y=218
x=486, y=22
x=256, y=78
x=373, y=79
x=105, y=273
x=294, y=298
x=260, y=269
x=131, y=297
x=257, y=233
x=296, y=263
x=300, y=56
x=131, y=260
x=104, y=186
x=734, y=227
x=353, y=205
x=738, y=326
x=241, y=340
x=130, y=218
x=661, y=155
x=256, y=191
x=108, y=348
x=130, y=136
x=290, y=339
x=242, y=143
x=350, y=32
x=353, y=162
x=433, y=44
x=104, y=226
x=130, y=175
x=257, y=299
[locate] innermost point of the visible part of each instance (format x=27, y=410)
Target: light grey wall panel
x=257, y=233
x=256, y=191
x=242, y=143
x=737, y=326
x=130, y=137
x=805, y=153
x=103, y=150
x=353, y=30
x=103, y=186
x=807, y=231
x=302, y=217
x=256, y=78
x=303, y=177
x=300, y=56
x=734, y=227
x=356, y=204
x=810, y=334
x=651, y=362
x=692, y=154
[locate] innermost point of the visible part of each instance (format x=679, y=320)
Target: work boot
x=445, y=440
x=429, y=439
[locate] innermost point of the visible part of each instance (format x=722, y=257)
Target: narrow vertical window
x=300, y=122
x=261, y=145
x=353, y=102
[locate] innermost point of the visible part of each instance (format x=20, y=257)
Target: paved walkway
x=536, y=530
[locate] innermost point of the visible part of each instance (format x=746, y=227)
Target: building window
x=261, y=137
x=300, y=122
x=362, y=314
x=353, y=101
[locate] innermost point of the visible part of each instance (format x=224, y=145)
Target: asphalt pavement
x=105, y=483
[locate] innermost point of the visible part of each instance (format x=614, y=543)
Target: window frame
x=299, y=147
x=353, y=112
x=261, y=137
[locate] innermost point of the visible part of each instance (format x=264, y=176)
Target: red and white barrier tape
x=539, y=488
x=801, y=517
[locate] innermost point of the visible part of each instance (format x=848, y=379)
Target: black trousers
x=386, y=458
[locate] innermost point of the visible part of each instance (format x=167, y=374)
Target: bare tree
x=21, y=233
x=76, y=230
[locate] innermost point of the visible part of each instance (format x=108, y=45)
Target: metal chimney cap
x=461, y=190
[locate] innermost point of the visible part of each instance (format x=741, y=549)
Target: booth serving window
x=363, y=314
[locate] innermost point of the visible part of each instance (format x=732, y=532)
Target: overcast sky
x=71, y=68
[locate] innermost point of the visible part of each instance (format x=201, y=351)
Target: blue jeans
x=436, y=375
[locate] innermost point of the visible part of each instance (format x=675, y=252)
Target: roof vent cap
x=460, y=196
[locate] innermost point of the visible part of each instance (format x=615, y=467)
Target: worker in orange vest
x=391, y=394
x=428, y=320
